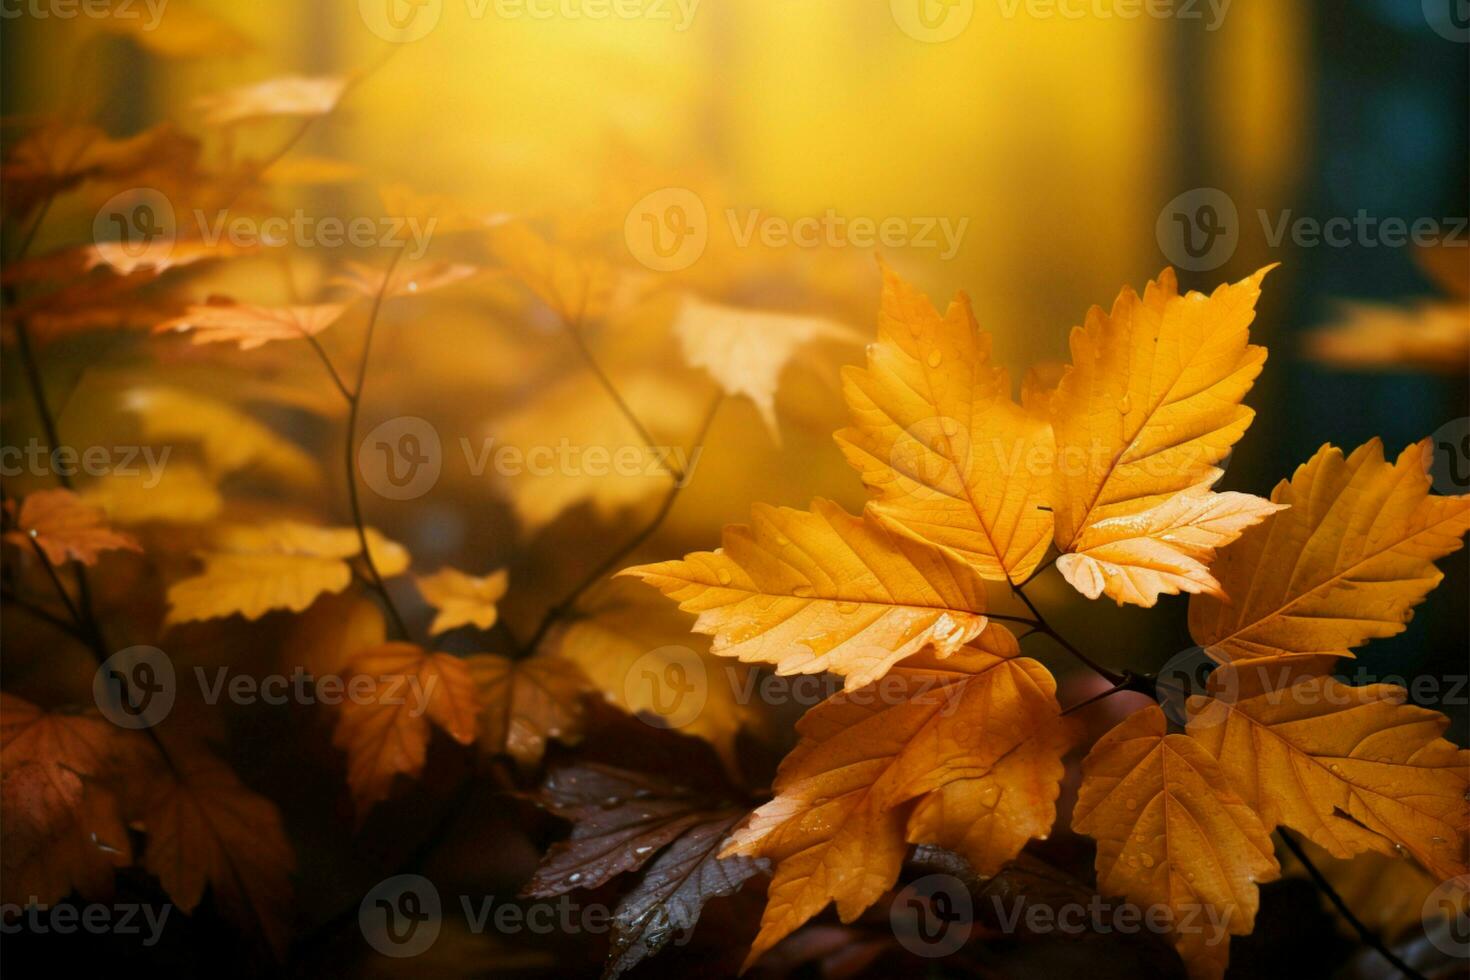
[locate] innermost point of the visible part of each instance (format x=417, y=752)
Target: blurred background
x=1061, y=151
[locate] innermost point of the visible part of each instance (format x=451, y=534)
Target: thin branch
x=565, y=606
x=354, y=403
x=1367, y=935
x=46, y=617
x=1045, y=628
x=574, y=331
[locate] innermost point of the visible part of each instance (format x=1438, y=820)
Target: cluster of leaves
x=945, y=735
x=1113, y=467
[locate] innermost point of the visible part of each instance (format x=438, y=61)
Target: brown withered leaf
x=61, y=830
x=526, y=703
x=625, y=820
x=207, y=829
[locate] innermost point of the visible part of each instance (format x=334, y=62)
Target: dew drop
x=803, y=591
x=934, y=358
x=724, y=576
x=848, y=608
x=1131, y=803
x=1148, y=860
x=1125, y=404
x=575, y=877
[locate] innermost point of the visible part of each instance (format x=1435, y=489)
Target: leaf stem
x=565, y=606
x=1367, y=935
x=1045, y=628
x=354, y=406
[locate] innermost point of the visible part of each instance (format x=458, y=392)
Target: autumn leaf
x=1346, y=563
x=462, y=600
x=64, y=527
x=290, y=95
x=180, y=494
x=525, y=703
x=409, y=278
x=672, y=891
x=62, y=829
x=1166, y=549
x=937, y=437
x=624, y=820
x=574, y=412
x=206, y=830
x=1171, y=833
x=637, y=650
x=1423, y=335
x=824, y=591
x=924, y=755
x=385, y=732
x=230, y=440
x=251, y=326
x=746, y=350
x=578, y=287
x=251, y=570
x=57, y=156
x=1353, y=768
x=1149, y=405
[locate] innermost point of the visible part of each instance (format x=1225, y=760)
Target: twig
x=566, y=605
x=46, y=617
x=1367, y=935
x=1046, y=629
x=354, y=405
x=575, y=332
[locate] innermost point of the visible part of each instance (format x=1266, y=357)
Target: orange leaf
x=1354, y=768
x=937, y=437
x=824, y=591
x=1172, y=834
x=1348, y=561
x=61, y=829
x=1151, y=401
x=252, y=326
x=291, y=95
x=65, y=528
x=928, y=754
x=385, y=730
x=1165, y=549
x=525, y=703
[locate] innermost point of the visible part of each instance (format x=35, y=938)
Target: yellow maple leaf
x=822, y=590
x=385, y=727
x=1151, y=401
x=1172, y=834
x=251, y=570
x=179, y=493
x=1166, y=549
x=462, y=600
x=937, y=437
x=1346, y=563
x=526, y=703
x=897, y=762
x=1354, y=768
